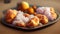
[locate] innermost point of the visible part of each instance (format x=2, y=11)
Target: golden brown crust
x=33, y=22
x=30, y=10
x=54, y=15
x=10, y=15
x=43, y=19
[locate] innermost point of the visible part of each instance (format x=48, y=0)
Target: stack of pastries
x=30, y=16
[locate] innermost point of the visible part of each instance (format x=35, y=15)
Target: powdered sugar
x=45, y=11
x=21, y=18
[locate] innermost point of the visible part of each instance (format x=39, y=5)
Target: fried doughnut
x=33, y=22
x=43, y=19
x=54, y=15
x=10, y=15
x=30, y=10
